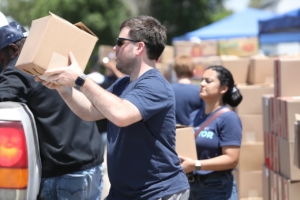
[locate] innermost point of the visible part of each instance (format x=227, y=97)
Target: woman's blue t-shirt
x=141, y=158
x=225, y=130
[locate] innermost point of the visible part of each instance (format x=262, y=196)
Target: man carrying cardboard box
x=141, y=158
x=71, y=149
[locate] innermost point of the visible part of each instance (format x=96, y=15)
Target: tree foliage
x=103, y=17
x=182, y=16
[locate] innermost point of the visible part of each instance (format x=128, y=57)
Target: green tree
x=182, y=16
x=103, y=17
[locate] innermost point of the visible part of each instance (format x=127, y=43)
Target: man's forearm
x=79, y=104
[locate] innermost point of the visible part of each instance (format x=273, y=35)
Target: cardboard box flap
x=84, y=28
x=79, y=25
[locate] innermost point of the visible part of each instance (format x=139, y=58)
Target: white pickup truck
x=20, y=164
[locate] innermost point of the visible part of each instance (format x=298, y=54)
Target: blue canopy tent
x=240, y=24
x=281, y=28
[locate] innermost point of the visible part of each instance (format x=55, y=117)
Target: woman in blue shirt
x=218, y=144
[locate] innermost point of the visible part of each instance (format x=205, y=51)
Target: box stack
x=248, y=174
x=281, y=170
x=204, y=53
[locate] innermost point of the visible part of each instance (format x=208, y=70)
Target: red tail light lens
x=13, y=156
x=13, y=151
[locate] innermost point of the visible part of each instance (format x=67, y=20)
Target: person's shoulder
x=229, y=116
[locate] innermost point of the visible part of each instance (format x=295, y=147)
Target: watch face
x=79, y=81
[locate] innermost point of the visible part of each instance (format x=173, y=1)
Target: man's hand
x=64, y=76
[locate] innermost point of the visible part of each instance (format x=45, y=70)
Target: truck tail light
x=13, y=156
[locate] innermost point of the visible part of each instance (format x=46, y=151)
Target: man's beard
x=126, y=65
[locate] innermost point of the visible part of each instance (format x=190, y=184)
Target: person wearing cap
x=71, y=149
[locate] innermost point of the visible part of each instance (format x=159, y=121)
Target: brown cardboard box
x=204, y=48
x=252, y=95
x=286, y=154
x=249, y=183
x=265, y=182
x=201, y=63
x=49, y=42
x=297, y=142
x=261, y=70
x=251, y=156
x=167, y=55
x=267, y=149
x=290, y=189
x=275, y=156
x=252, y=127
x=280, y=186
x=273, y=186
x=238, y=46
x=185, y=142
x=106, y=51
x=290, y=106
x=268, y=112
x=286, y=73
x=237, y=66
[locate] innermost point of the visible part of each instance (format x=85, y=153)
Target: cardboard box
x=275, y=155
x=237, y=66
x=287, y=166
x=261, y=70
x=167, y=55
x=238, y=46
x=201, y=63
x=267, y=149
x=286, y=72
x=106, y=51
x=251, y=156
x=265, y=182
x=252, y=128
x=252, y=95
x=297, y=142
x=204, y=48
x=290, y=189
x=249, y=183
x=49, y=42
x=290, y=106
x=268, y=112
x=273, y=186
x=185, y=142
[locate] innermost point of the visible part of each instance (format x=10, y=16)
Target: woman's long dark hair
x=232, y=97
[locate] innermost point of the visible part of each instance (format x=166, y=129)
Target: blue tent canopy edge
x=281, y=28
x=240, y=24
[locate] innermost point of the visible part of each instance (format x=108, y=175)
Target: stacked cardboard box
x=257, y=83
x=279, y=132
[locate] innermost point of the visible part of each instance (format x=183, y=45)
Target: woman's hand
x=187, y=164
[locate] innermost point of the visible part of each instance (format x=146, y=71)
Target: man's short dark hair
x=148, y=30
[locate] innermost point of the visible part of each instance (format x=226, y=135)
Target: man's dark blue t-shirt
x=141, y=158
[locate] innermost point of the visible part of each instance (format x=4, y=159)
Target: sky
x=236, y=5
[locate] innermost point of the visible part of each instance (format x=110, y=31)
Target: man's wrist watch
x=198, y=165
x=80, y=81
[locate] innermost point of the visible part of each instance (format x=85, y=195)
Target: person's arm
x=228, y=160
x=94, y=102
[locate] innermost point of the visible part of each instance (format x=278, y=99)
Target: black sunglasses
x=120, y=41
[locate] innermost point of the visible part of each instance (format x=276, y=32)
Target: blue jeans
x=221, y=187
x=87, y=184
